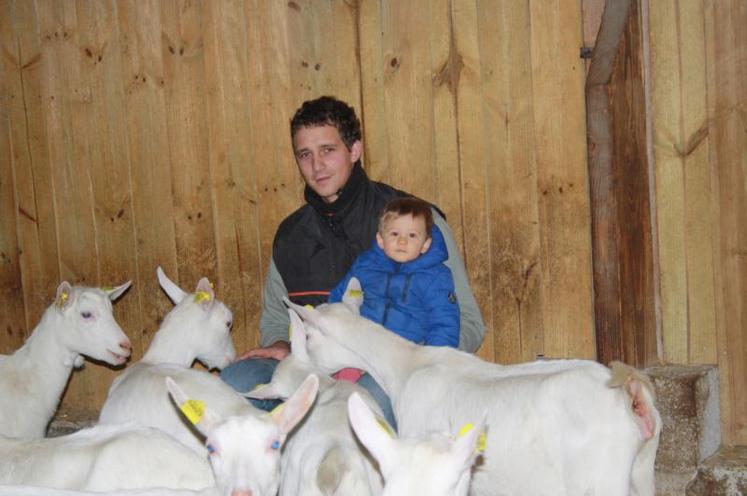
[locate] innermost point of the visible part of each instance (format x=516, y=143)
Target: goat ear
x=204, y=293
x=297, y=333
x=114, y=293
x=194, y=410
x=264, y=392
x=174, y=292
x=294, y=409
x=65, y=295
x=307, y=314
x=353, y=297
x=470, y=443
x=374, y=433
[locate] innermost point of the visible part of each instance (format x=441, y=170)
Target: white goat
x=197, y=328
x=119, y=457
x=25, y=490
x=322, y=456
x=245, y=449
x=560, y=427
x=79, y=322
x=104, y=458
x=436, y=465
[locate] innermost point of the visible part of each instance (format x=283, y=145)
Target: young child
x=406, y=286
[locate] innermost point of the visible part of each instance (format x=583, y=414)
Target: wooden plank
x=69, y=147
x=13, y=154
x=408, y=96
x=515, y=303
x=239, y=279
x=693, y=151
x=277, y=185
x=447, y=41
x=102, y=123
x=143, y=81
x=603, y=183
x=666, y=115
x=726, y=65
x=558, y=82
x=185, y=88
x=622, y=237
x=638, y=325
x=36, y=223
x=68, y=143
x=682, y=184
x=322, y=44
x=466, y=84
x=372, y=69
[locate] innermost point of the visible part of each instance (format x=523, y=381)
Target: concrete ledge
x=723, y=474
x=688, y=401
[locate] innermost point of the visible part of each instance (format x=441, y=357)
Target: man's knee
x=245, y=375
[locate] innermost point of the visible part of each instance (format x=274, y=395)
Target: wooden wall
x=142, y=133
x=698, y=64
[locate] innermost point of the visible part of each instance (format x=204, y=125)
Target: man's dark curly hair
x=328, y=110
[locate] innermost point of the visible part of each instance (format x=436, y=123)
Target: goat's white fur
x=104, y=458
x=79, y=322
x=197, y=328
x=26, y=490
x=130, y=456
x=436, y=464
x=322, y=456
x=245, y=449
x=554, y=427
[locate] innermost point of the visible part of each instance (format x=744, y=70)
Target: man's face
x=404, y=238
x=324, y=160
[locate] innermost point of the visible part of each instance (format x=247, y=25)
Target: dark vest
x=317, y=244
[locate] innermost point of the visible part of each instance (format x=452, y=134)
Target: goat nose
x=125, y=345
x=244, y=492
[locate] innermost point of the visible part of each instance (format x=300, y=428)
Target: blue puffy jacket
x=415, y=299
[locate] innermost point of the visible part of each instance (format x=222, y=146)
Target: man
x=316, y=245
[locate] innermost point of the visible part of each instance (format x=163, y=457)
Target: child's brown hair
x=407, y=206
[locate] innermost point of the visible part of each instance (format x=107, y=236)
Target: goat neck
x=168, y=345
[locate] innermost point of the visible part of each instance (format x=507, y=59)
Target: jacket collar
x=347, y=194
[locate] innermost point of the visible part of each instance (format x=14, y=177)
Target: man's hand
x=277, y=350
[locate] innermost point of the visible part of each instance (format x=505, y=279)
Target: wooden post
x=622, y=241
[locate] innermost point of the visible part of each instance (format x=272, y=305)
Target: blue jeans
x=247, y=374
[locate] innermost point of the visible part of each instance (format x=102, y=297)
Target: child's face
x=404, y=238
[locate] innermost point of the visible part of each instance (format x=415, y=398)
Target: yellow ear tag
x=62, y=299
x=194, y=410
x=355, y=293
x=310, y=307
x=385, y=427
x=482, y=439
x=201, y=296
x=107, y=289
x=277, y=410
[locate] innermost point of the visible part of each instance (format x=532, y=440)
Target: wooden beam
x=622, y=243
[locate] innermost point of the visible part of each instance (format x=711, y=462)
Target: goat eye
x=210, y=449
x=85, y=315
x=275, y=445
x=228, y=324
